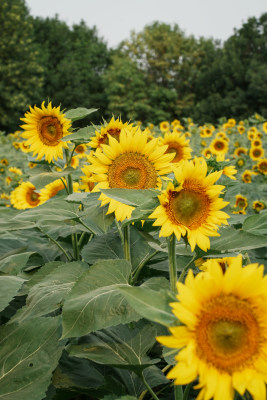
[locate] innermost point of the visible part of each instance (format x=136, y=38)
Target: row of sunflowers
x=121, y=259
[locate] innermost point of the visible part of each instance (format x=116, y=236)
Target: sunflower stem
x=187, y=391
x=119, y=230
x=172, y=262
x=69, y=258
x=184, y=271
x=126, y=243
x=178, y=392
x=153, y=394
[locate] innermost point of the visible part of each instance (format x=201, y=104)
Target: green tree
x=74, y=59
x=20, y=69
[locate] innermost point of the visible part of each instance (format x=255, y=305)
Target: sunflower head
x=258, y=205
x=241, y=202
x=132, y=163
x=178, y=145
x=112, y=129
x=219, y=146
x=25, y=196
x=262, y=166
x=223, y=336
x=43, y=130
x=256, y=153
x=191, y=209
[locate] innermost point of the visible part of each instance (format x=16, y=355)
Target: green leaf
x=122, y=346
x=151, y=304
x=14, y=263
x=43, y=179
x=10, y=286
x=231, y=239
x=256, y=224
x=48, y=295
x=132, y=197
x=107, y=246
x=29, y=353
x=79, y=113
x=82, y=135
x=95, y=301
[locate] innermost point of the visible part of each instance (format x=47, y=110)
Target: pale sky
x=115, y=19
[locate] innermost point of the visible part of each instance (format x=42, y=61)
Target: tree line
x=157, y=74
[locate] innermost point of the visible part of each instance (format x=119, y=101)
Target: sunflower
x=178, y=145
x=258, y=205
x=164, y=126
x=241, y=129
x=113, y=128
x=206, y=153
x=87, y=184
x=262, y=166
x=219, y=146
x=44, y=128
x=25, y=196
x=24, y=147
x=264, y=127
x=241, y=202
x=15, y=170
x=231, y=122
x=51, y=189
x=175, y=122
x=81, y=149
x=224, y=263
x=229, y=171
x=4, y=161
x=192, y=208
x=246, y=176
x=256, y=153
x=131, y=163
x=223, y=339
x=206, y=132
x=240, y=151
x=256, y=143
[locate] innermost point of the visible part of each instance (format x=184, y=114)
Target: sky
x=115, y=19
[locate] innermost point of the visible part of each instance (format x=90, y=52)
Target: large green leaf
x=231, y=239
x=132, y=197
x=48, y=295
x=10, y=285
x=152, y=304
x=122, y=346
x=78, y=113
x=107, y=246
x=29, y=353
x=95, y=301
x=256, y=224
x=43, y=179
x=14, y=263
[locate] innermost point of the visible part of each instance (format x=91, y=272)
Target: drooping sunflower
x=223, y=339
x=241, y=202
x=178, y=145
x=219, y=146
x=44, y=128
x=256, y=153
x=25, y=196
x=87, y=184
x=229, y=171
x=113, y=128
x=247, y=176
x=132, y=163
x=262, y=166
x=192, y=208
x=240, y=151
x=15, y=170
x=53, y=188
x=258, y=205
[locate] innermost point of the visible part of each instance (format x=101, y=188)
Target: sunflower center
x=256, y=153
x=132, y=171
x=228, y=333
x=174, y=147
x=50, y=131
x=33, y=198
x=219, y=145
x=188, y=207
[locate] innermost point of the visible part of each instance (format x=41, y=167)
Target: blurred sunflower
x=25, y=196
x=87, y=184
x=240, y=151
x=264, y=127
x=256, y=143
x=164, y=126
x=262, y=166
x=15, y=170
x=246, y=176
x=258, y=205
x=132, y=163
x=219, y=146
x=223, y=262
x=241, y=129
x=178, y=145
x=256, y=153
x=223, y=339
x=44, y=128
x=229, y=171
x=241, y=202
x=4, y=161
x=192, y=208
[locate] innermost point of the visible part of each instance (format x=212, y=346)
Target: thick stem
x=153, y=394
x=178, y=392
x=172, y=262
x=187, y=391
x=126, y=243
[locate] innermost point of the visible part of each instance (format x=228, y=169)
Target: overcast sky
x=115, y=19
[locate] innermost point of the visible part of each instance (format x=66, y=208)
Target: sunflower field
x=133, y=259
